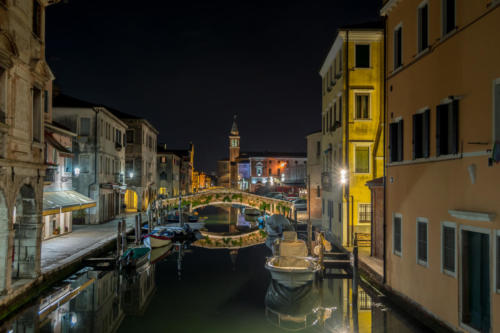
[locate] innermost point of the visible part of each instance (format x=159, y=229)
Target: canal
x=195, y=289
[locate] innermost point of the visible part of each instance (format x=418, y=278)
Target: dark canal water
x=202, y=290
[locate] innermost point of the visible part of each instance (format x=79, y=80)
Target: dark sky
x=189, y=67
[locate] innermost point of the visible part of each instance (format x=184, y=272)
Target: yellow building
x=443, y=186
x=352, y=150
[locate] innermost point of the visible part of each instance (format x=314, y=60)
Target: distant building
x=443, y=147
x=184, y=181
x=140, y=164
x=273, y=171
x=314, y=173
x=99, y=154
x=168, y=174
x=352, y=129
x=249, y=171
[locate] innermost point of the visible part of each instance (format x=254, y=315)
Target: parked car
x=300, y=204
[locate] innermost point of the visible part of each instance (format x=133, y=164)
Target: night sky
x=188, y=67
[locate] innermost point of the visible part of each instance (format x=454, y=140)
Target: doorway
x=475, y=285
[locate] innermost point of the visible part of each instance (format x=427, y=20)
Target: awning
x=54, y=143
x=65, y=201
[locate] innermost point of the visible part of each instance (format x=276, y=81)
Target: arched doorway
x=130, y=201
x=25, y=250
x=4, y=242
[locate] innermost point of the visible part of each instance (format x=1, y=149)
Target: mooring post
x=118, y=238
x=124, y=236
x=137, y=228
x=150, y=221
x=355, y=275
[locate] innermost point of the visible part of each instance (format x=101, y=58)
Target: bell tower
x=234, y=142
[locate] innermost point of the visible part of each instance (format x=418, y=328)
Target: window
x=330, y=125
x=340, y=212
x=396, y=141
x=447, y=128
x=84, y=127
x=3, y=95
x=130, y=136
x=340, y=111
x=448, y=16
x=362, y=106
x=397, y=231
x=423, y=27
x=398, y=47
x=37, y=18
x=102, y=128
x=362, y=159
x=448, y=248
x=421, y=125
x=46, y=101
x=318, y=191
x=422, y=241
x=68, y=165
x=84, y=164
x=365, y=213
x=323, y=206
x=37, y=115
x=498, y=261
x=118, y=136
x=318, y=148
x=496, y=114
x=129, y=166
x=362, y=52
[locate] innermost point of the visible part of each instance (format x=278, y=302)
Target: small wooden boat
x=136, y=256
x=156, y=241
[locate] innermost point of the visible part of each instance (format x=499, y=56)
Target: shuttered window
x=421, y=124
x=397, y=241
x=37, y=18
x=448, y=250
x=396, y=141
x=447, y=128
x=340, y=110
x=422, y=242
x=496, y=115
x=365, y=213
x=398, y=47
x=362, y=106
x=448, y=16
x=362, y=159
x=498, y=262
x=362, y=55
x=423, y=27
x=340, y=212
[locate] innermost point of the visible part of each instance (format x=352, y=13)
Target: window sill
x=448, y=35
x=363, y=120
x=422, y=53
x=423, y=263
x=36, y=144
x=397, y=69
x=398, y=254
x=450, y=274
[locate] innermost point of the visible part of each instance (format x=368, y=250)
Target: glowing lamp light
x=131, y=175
x=77, y=171
x=343, y=176
x=283, y=164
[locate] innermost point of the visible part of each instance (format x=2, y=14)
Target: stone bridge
x=230, y=197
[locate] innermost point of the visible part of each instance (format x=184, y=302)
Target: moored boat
x=291, y=266
x=136, y=256
x=157, y=240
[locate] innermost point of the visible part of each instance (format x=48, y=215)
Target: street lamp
x=131, y=175
x=77, y=171
x=343, y=176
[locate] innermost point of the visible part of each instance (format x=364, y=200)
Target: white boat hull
x=293, y=276
x=158, y=242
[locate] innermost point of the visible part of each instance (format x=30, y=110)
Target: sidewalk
x=66, y=249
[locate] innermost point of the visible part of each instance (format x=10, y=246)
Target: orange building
x=443, y=187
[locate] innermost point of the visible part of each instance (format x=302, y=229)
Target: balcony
x=50, y=175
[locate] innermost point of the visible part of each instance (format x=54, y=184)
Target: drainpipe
x=346, y=145
x=95, y=155
x=384, y=281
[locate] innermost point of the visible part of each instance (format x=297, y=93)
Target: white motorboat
x=291, y=266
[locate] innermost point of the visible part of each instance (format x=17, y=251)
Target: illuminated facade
x=352, y=129
x=443, y=181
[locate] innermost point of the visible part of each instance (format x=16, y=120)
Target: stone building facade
x=168, y=174
x=25, y=88
x=140, y=162
x=314, y=174
x=99, y=154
